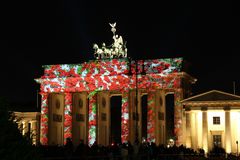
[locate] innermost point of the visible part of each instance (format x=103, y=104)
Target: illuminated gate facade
x=76, y=99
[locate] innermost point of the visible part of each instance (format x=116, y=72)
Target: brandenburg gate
x=76, y=97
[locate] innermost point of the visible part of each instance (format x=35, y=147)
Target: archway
x=169, y=116
x=115, y=126
x=144, y=116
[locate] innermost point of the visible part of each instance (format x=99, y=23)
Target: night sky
x=37, y=33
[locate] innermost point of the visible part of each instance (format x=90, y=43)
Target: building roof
x=212, y=96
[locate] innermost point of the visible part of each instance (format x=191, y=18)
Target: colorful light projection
x=125, y=118
x=178, y=115
x=68, y=117
x=98, y=75
x=44, y=120
x=151, y=117
x=92, y=123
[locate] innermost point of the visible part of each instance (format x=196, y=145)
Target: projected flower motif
x=92, y=119
x=44, y=120
x=109, y=74
x=68, y=117
x=151, y=117
x=125, y=118
x=178, y=115
x=94, y=68
x=119, y=82
x=112, y=67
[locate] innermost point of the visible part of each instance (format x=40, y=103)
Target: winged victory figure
x=113, y=25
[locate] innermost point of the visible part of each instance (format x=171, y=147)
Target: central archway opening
x=144, y=116
x=169, y=116
x=115, y=132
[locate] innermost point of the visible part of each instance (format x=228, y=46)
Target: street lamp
x=142, y=72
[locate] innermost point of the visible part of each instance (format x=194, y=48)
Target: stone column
x=160, y=117
x=193, y=131
x=44, y=119
x=25, y=127
x=151, y=115
x=178, y=115
x=92, y=121
x=125, y=117
x=196, y=124
x=67, y=116
x=34, y=131
x=188, y=129
x=132, y=117
x=228, y=139
x=205, y=129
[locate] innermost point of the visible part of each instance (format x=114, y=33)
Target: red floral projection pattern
x=44, y=120
x=100, y=75
x=178, y=116
x=68, y=117
x=151, y=117
x=125, y=118
x=92, y=124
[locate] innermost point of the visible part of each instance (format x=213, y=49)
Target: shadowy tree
x=13, y=145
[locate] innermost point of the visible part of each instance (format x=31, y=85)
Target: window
x=217, y=140
x=216, y=120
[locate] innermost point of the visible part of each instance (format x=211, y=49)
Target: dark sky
x=37, y=33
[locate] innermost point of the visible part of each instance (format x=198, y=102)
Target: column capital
x=204, y=108
x=226, y=108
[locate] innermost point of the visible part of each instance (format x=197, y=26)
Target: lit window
x=216, y=120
